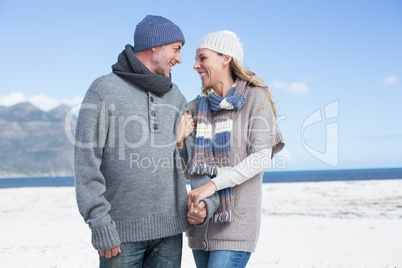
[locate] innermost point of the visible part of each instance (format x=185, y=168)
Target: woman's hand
x=204, y=191
x=185, y=127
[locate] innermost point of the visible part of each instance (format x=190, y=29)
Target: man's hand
x=110, y=252
x=197, y=213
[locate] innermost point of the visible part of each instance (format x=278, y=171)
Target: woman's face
x=209, y=65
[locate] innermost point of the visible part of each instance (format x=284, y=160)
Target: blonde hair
x=238, y=70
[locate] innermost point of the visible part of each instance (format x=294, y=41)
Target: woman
x=236, y=136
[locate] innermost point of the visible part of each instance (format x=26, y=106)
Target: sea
x=269, y=177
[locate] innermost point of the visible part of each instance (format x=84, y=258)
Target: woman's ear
x=227, y=59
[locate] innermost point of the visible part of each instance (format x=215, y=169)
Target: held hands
x=197, y=210
x=110, y=252
x=201, y=192
x=185, y=127
x=196, y=213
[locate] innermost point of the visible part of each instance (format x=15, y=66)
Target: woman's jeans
x=220, y=258
x=164, y=252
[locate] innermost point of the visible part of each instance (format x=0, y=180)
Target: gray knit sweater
x=129, y=180
x=254, y=129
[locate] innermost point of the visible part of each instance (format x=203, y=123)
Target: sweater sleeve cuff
x=275, y=142
x=212, y=204
x=105, y=238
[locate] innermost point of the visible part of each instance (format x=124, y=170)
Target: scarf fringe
x=199, y=169
x=224, y=216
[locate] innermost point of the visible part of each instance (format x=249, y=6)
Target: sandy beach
x=323, y=224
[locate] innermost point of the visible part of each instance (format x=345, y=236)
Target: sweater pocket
x=236, y=211
x=239, y=229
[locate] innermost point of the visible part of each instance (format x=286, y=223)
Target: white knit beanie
x=225, y=42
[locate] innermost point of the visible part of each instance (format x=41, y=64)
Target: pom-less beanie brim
x=225, y=42
x=155, y=31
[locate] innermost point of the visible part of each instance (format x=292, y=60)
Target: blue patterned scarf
x=212, y=143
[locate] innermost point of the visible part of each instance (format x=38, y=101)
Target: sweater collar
x=130, y=68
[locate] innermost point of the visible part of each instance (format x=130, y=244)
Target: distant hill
x=33, y=142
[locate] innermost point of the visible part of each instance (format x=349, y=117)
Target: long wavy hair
x=238, y=70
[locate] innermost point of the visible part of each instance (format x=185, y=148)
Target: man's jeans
x=221, y=258
x=164, y=252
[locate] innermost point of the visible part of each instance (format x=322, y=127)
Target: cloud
x=295, y=88
x=41, y=101
x=390, y=80
x=12, y=98
x=44, y=102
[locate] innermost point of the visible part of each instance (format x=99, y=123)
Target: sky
x=334, y=68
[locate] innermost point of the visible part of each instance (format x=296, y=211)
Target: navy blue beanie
x=155, y=31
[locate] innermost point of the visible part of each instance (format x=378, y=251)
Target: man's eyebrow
x=178, y=47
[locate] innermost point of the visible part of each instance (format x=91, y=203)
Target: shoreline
x=270, y=176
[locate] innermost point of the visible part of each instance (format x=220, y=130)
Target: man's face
x=165, y=57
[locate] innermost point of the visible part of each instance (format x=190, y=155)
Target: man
x=129, y=181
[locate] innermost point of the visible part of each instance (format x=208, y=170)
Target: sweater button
x=204, y=244
x=155, y=126
x=153, y=113
x=151, y=98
